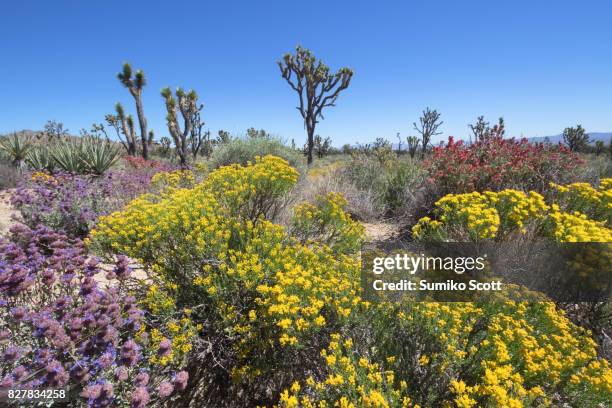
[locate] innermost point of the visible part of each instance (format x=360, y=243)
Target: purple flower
x=140, y=397
x=129, y=353
x=165, y=389
x=19, y=372
x=165, y=347
x=121, y=373
x=80, y=371
x=11, y=354
x=105, y=360
x=180, y=380
x=141, y=379
x=122, y=267
x=19, y=313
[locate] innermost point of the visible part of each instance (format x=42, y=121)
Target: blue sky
x=542, y=65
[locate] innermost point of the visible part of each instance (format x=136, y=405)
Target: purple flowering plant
x=61, y=328
x=72, y=203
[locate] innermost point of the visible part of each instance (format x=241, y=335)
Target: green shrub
x=392, y=180
x=242, y=151
x=40, y=159
x=87, y=155
x=98, y=155
x=9, y=175
x=16, y=147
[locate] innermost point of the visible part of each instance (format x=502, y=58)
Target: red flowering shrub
x=495, y=164
x=140, y=163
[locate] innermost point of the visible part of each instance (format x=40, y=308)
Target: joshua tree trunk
x=142, y=121
x=135, y=85
x=310, y=129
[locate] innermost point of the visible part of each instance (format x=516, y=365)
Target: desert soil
x=6, y=212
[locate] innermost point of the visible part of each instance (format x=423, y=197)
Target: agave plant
x=40, y=159
x=16, y=147
x=67, y=155
x=98, y=155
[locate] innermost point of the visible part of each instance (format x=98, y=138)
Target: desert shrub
x=498, y=215
x=40, y=159
x=59, y=329
x=495, y=163
x=392, y=180
x=283, y=321
x=9, y=175
x=86, y=155
x=16, y=148
x=138, y=163
x=459, y=354
x=244, y=150
x=321, y=180
x=72, y=203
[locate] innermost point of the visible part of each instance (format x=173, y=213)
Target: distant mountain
x=593, y=137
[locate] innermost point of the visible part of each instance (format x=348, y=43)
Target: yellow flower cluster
x=494, y=215
x=350, y=382
x=595, y=202
x=325, y=221
x=179, y=332
x=173, y=180
x=42, y=177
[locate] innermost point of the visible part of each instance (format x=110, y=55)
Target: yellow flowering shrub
x=496, y=215
x=278, y=317
x=595, y=202
x=269, y=291
x=350, y=381
x=325, y=221
x=173, y=179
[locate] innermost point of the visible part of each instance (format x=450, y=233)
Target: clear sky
x=542, y=65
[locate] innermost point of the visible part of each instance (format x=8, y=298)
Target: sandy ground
x=380, y=231
x=6, y=212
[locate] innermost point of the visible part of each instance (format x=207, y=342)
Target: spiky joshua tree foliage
x=413, y=145
x=124, y=127
x=316, y=86
x=135, y=85
x=428, y=126
x=191, y=136
x=576, y=138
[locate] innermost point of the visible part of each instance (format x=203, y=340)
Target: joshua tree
x=482, y=131
x=428, y=127
x=206, y=145
x=54, y=130
x=316, y=87
x=223, y=136
x=413, y=145
x=252, y=133
x=321, y=146
x=165, y=145
x=399, y=143
x=479, y=128
x=599, y=147
x=576, y=138
x=135, y=85
x=123, y=125
x=191, y=136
